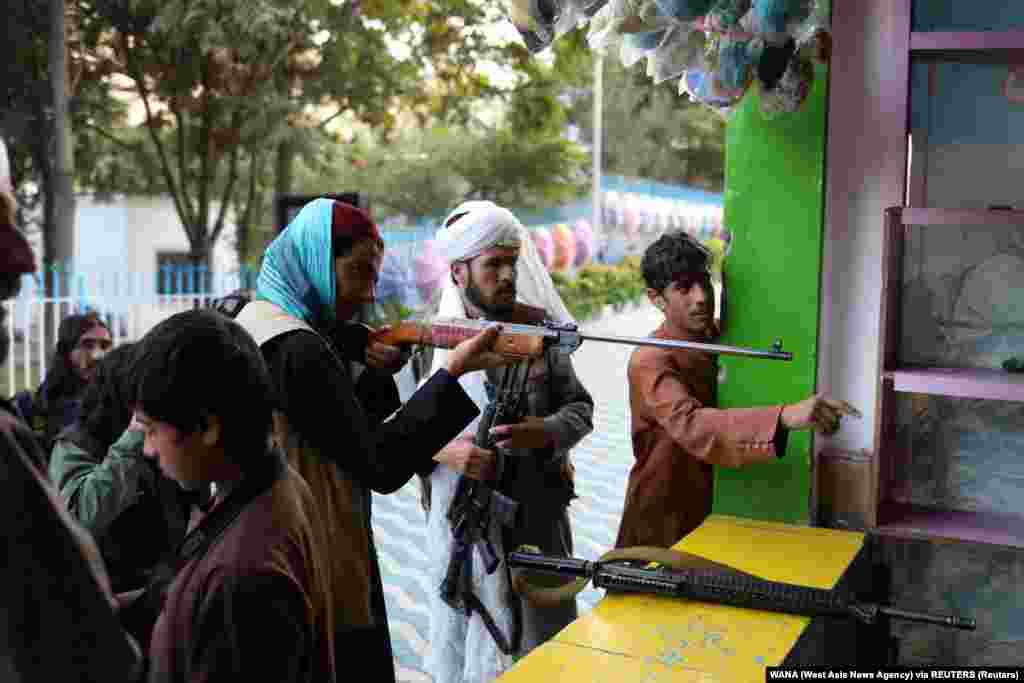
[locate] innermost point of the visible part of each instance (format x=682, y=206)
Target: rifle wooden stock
x=446, y=335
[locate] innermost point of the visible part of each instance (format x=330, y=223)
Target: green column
x=774, y=202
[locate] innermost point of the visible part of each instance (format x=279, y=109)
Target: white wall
x=140, y=227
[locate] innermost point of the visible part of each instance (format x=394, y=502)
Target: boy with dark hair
x=250, y=600
x=678, y=432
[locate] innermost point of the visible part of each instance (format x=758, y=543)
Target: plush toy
x=682, y=49
x=773, y=18
x=725, y=15
x=684, y=10
x=736, y=60
x=789, y=91
x=707, y=89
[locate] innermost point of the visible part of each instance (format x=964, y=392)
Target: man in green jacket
x=135, y=513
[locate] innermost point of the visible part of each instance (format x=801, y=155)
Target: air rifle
x=531, y=341
x=729, y=587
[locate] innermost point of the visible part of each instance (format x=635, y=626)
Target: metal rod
x=695, y=346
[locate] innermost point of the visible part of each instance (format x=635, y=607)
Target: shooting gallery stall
x=655, y=638
x=878, y=230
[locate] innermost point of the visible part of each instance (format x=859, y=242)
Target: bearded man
x=497, y=275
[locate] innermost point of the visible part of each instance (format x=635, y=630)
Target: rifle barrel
x=696, y=346
x=560, y=566
x=953, y=621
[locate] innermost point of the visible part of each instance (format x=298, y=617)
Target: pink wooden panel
x=941, y=41
x=995, y=385
x=961, y=217
x=908, y=521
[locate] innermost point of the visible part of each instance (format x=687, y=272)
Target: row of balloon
x=562, y=248
x=636, y=213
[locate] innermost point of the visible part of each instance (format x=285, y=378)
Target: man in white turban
x=496, y=274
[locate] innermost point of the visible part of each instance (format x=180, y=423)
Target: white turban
x=482, y=225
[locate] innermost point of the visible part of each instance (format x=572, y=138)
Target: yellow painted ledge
x=640, y=638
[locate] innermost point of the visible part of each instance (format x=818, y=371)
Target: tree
x=427, y=171
x=651, y=131
x=211, y=77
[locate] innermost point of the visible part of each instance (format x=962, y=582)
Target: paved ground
x=602, y=463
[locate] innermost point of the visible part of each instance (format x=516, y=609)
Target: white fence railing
x=128, y=319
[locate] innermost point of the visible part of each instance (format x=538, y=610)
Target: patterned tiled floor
x=602, y=463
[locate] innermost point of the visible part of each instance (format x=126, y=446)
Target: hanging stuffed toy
x=773, y=19
x=613, y=21
x=725, y=15
x=682, y=49
x=684, y=10
x=540, y=22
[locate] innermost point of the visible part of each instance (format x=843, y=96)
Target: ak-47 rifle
x=723, y=586
x=474, y=507
x=531, y=341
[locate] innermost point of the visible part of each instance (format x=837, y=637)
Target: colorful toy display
x=717, y=49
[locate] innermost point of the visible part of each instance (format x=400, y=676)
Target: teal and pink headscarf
x=298, y=266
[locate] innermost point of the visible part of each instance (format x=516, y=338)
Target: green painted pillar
x=774, y=201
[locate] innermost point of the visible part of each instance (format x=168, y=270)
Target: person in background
x=58, y=621
x=136, y=514
x=82, y=341
x=679, y=433
x=251, y=597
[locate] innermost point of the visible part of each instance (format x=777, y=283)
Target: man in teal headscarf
x=318, y=273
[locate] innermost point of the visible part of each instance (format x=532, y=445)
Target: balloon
x=630, y=222
x=430, y=269
x=545, y=246
x=584, y=235
x=565, y=247
x=396, y=282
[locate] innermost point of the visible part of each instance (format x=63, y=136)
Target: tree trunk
x=201, y=258
x=283, y=175
x=59, y=231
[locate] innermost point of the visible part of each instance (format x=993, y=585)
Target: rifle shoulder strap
x=672, y=559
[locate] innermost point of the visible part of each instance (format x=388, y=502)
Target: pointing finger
x=842, y=407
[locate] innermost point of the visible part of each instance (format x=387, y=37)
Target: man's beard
x=490, y=309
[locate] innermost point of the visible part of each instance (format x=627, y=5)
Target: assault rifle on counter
x=722, y=586
x=477, y=505
x=530, y=341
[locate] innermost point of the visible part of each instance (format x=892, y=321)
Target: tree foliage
x=650, y=131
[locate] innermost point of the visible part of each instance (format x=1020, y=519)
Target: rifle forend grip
x=446, y=336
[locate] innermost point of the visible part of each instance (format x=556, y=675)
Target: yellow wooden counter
x=642, y=639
